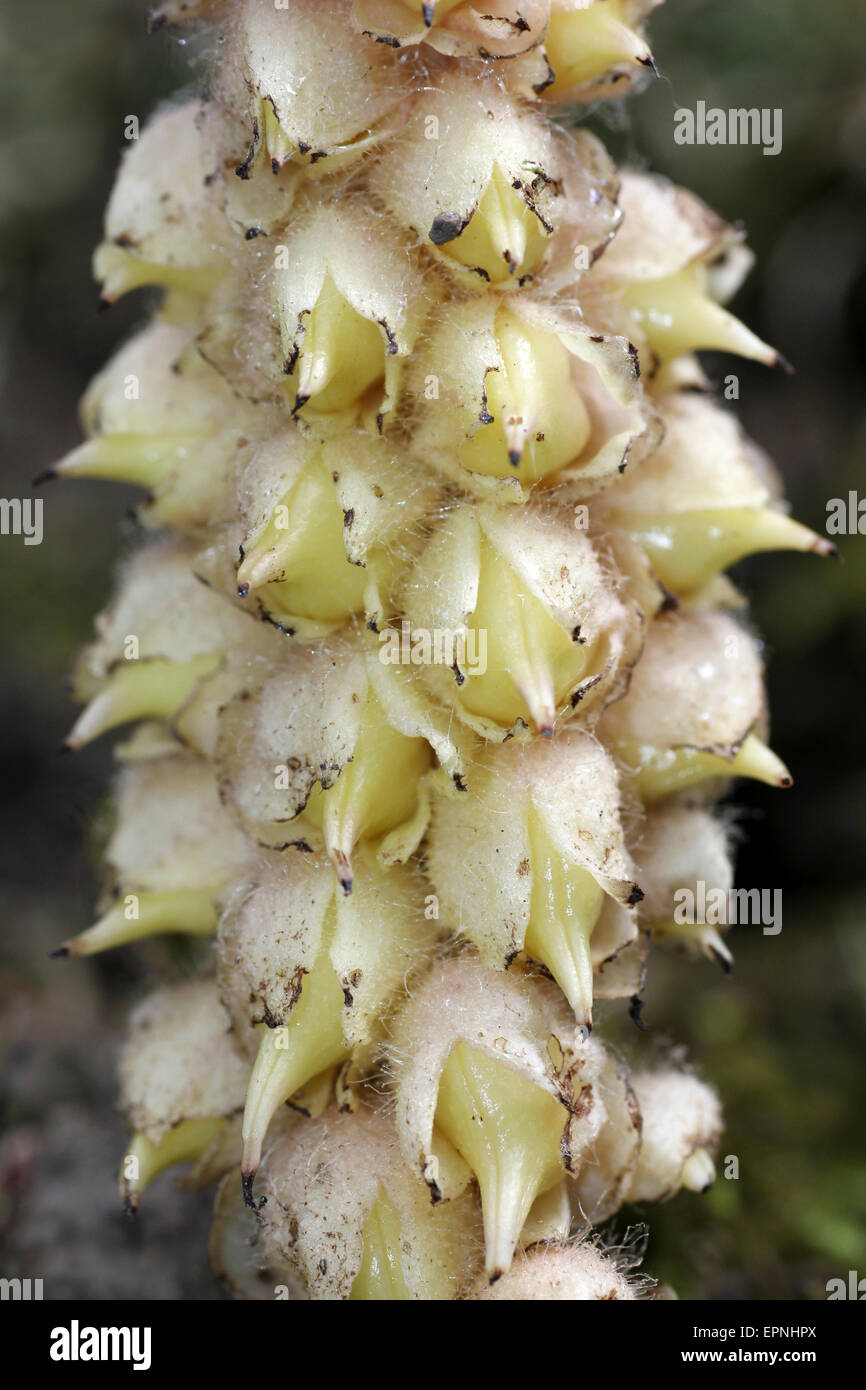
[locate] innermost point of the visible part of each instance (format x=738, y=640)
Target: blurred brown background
x=785, y=1039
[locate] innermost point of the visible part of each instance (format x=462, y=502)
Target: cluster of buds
x=434, y=674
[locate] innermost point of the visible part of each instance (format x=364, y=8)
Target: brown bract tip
x=247, y=1180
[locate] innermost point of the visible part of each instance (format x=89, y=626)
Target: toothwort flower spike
x=431, y=673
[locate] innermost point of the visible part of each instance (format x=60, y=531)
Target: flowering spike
x=450, y=507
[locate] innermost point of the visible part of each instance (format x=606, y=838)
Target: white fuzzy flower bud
x=541, y=630
x=180, y=1077
x=559, y=1273
x=703, y=499
x=342, y=738
x=167, y=648
x=347, y=1220
x=591, y=49
x=307, y=973
x=663, y=276
x=496, y=196
x=493, y=1079
x=520, y=392
x=159, y=416
x=318, y=95
x=349, y=301
x=526, y=862
x=695, y=710
x=328, y=527
x=681, y=847
x=173, y=852
x=682, y=1122
x=163, y=225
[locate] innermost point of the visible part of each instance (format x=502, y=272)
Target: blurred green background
x=785, y=1038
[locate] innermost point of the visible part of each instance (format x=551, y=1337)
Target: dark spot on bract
x=635, y=1010
x=446, y=226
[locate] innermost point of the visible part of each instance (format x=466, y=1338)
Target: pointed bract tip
x=59, y=952
x=781, y=361
x=343, y=866
x=635, y=1012
x=130, y=1203
x=822, y=546
x=514, y=457
x=699, y=1171
x=46, y=476
x=722, y=957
